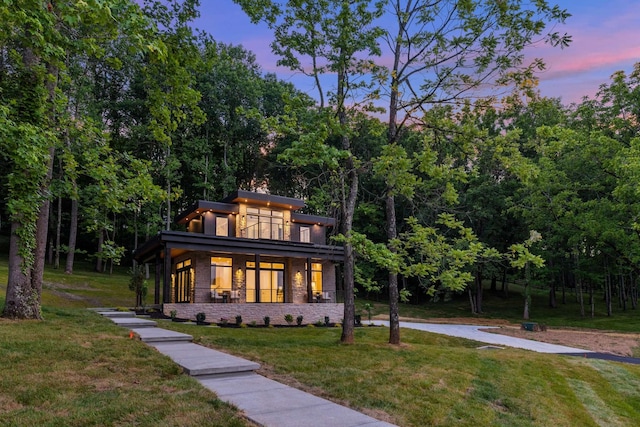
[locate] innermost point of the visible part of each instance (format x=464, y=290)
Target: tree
x=329, y=35
x=448, y=50
x=37, y=37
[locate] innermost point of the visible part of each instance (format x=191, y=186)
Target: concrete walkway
x=233, y=379
x=473, y=332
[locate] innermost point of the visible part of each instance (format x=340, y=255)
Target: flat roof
x=242, y=196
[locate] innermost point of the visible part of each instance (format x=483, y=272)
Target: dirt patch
x=622, y=344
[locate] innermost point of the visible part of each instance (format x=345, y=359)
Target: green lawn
x=76, y=368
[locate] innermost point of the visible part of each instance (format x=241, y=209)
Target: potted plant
x=200, y=319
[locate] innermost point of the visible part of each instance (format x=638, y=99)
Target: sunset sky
x=606, y=38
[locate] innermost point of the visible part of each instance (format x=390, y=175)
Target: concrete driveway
x=473, y=332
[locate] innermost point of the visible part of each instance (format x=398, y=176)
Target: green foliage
x=288, y=318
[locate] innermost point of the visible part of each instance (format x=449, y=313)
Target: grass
x=436, y=380
x=76, y=368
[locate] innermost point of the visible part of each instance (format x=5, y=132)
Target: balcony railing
x=266, y=231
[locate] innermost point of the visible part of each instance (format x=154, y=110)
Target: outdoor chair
x=216, y=297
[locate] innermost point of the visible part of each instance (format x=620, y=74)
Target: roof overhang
x=202, y=206
x=261, y=199
x=313, y=219
x=179, y=241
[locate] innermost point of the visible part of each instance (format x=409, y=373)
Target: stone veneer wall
x=257, y=312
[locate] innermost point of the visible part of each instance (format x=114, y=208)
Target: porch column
x=156, y=294
x=257, y=277
x=166, y=292
x=309, y=290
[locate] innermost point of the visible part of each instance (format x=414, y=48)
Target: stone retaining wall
x=257, y=312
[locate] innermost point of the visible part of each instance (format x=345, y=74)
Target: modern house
x=250, y=254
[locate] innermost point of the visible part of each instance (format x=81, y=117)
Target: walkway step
x=270, y=403
x=197, y=360
x=117, y=314
x=132, y=323
x=157, y=335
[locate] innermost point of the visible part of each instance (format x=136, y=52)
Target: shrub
x=288, y=318
x=299, y=320
x=267, y=320
x=200, y=317
x=238, y=320
x=224, y=321
x=326, y=320
x=173, y=314
x=358, y=320
x=253, y=323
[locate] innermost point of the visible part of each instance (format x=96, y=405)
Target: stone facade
x=311, y=313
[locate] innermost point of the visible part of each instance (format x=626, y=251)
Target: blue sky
x=606, y=38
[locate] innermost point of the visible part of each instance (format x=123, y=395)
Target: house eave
x=179, y=240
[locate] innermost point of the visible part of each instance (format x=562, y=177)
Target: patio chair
x=216, y=297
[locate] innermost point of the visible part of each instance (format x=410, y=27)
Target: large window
x=271, y=282
x=183, y=283
x=305, y=234
x=222, y=226
x=264, y=223
x=221, y=274
x=316, y=279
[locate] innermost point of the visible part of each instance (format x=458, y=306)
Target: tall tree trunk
x=22, y=300
x=592, y=301
x=505, y=285
x=24, y=286
x=553, y=303
x=349, y=203
x=479, y=289
x=99, y=263
x=472, y=300
x=607, y=292
x=390, y=203
x=73, y=233
x=580, y=296
x=394, y=294
x=56, y=261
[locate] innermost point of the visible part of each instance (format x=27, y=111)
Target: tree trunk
x=607, y=292
x=472, y=301
x=73, y=233
x=24, y=286
x=56, y=261
x=525, y=314
x=349, y=258
x=505, y=285
x=592, y=302
x=580, y=296
x=394, y=318
x=99, y=266
x=22, y=300
x=479, y=289
x=553, y=303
